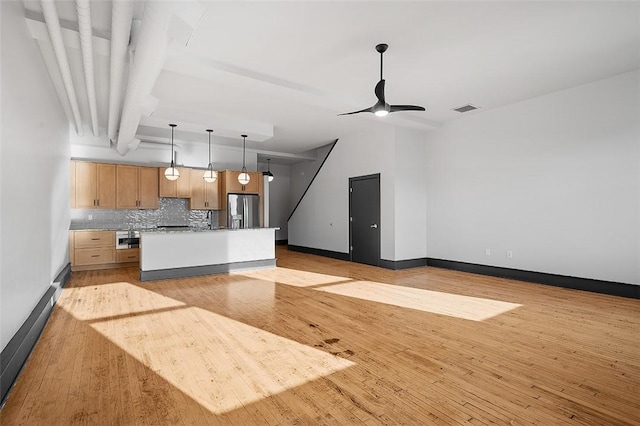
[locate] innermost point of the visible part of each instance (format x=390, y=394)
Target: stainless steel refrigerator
x=243, y=211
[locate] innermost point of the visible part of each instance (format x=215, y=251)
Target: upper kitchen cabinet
x=204, y=195
x=180, y=188
x=233, y=186
x=137, y=187
x=93, y=185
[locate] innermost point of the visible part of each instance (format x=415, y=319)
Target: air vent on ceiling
x=465, y=108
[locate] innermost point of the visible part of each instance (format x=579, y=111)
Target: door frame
x=351, y=179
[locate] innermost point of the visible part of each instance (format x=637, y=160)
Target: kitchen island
x=178, y=254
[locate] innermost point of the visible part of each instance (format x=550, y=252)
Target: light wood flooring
x=322, y=341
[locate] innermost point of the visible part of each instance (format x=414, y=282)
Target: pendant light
x=268, y=172
x=172, y=173
x=244, y=177
x=210, y=175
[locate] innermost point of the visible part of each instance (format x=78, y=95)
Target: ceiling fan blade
x=379, y=91
x=370, y=109
x=395, y=108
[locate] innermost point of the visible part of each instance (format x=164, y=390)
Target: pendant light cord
x=172, y=129
x=244, y=144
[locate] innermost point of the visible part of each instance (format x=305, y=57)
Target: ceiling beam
x=55, y=33
x=83, y=8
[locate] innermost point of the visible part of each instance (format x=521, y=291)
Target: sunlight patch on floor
x=217, y=361
x=294, y=277
x=112, y=300
x=454, y=305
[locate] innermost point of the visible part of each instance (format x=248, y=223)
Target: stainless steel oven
x=127, y=239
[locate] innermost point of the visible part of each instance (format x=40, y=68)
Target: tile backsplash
x=170, y=211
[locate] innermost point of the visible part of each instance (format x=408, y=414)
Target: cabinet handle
x=130, y=257
x=95, y=255
x=95, y=239
x=97, y=202
x=94, y=202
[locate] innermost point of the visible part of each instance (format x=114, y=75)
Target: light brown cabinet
x=93, y=185
x=180, y=188
x=128, y=255
x=233, y=186
x=204, y=195
x=97, y=250
x=91, y=248
x=137, y=187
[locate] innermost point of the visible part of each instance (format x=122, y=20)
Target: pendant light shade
x=172, y=173
x=244, y=177
x=268, y=172
x=210, y=175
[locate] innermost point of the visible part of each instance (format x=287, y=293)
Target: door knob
x=375, y=225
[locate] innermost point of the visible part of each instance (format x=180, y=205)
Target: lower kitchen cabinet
x=94, y=256
x=128, y=255
x=97, y=250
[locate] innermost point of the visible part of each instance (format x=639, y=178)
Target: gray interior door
x=364, y=212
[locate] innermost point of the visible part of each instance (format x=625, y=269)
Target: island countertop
x=181, y=253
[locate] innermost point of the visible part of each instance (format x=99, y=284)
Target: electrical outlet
x=487, y=252
x=509, y=254
x=90, y=217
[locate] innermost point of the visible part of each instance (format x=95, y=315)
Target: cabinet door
x=212, y=191
x=253, y=187
x=166, y=187
x=106, y=186
x=198, y=200
x=231, y=182
x=183, y=184
x=86, y=177
x=179, y=188
x=127, y=187
x=148, y=188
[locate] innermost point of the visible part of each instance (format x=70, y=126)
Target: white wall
x=279, y=204
x=322, y=218
x=410, y=195
x=34, y=175
x=303, y=171
x=555, y=179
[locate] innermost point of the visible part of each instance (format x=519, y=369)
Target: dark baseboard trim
x=403, y=264
x=282, y=242
x=576, y=283
x=63, y=277
x=15, y=354
x=320, y=252
x=194, y=271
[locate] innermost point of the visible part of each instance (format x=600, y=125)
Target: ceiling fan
x=382, y=108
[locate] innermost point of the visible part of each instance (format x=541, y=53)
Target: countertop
x=157, y=230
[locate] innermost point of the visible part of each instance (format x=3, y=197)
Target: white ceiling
x=282, y=71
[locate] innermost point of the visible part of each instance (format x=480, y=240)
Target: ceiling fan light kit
x=171, y=173
x=382, y=108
